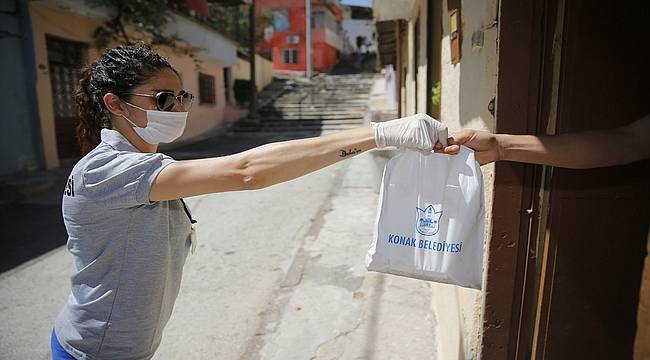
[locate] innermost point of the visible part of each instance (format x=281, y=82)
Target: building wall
x=467, y=88
x=20, y=135
x=325, y=57
x=409, y=47
x=322, y=40
x=403, y=61
x=358, y=27
x=322, y=17
x=203, y=118
x=53, y=21
x=48, y=19
x=263, y=71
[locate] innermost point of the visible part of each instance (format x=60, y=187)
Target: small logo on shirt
x=69, y=187
x=428, y=220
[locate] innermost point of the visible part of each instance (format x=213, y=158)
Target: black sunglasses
x=165, y=100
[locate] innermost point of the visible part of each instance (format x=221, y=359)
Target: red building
x=285, y=36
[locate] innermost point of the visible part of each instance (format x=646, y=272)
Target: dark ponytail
x=118, y=71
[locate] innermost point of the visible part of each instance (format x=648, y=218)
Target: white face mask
x=162, y=126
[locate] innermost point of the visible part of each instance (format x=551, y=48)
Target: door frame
x=526, y=29
x=50, y=38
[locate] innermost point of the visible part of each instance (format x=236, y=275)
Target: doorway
x=567, y=246
x=65, y=59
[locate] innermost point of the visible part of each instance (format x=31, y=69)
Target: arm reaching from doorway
x=274, y=163
x=581, y=150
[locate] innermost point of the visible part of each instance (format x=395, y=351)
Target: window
x=206, y=89
x=290, y=56
x=280, y=19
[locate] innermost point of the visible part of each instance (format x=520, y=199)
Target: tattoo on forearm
x=348, y=152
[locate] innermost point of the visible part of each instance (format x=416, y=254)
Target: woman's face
x=165, y=80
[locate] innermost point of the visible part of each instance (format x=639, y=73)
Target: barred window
x=290, y=56
x=206, y=89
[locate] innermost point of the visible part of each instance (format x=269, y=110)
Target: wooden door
x=564, y=275
x=65, y=60
x=598, y=219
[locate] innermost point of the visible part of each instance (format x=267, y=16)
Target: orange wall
x=324, y=55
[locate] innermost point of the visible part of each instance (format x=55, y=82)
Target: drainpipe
x=252, y=110
x=308, y=73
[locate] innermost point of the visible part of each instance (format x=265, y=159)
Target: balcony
x=327, y=36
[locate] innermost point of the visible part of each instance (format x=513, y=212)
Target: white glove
x=419, y=131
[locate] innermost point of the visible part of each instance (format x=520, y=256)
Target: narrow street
x=287, y=280
x=278, y=274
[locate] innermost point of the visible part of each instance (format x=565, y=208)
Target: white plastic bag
x=431, y=219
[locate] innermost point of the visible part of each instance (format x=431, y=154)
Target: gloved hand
x=419, y=131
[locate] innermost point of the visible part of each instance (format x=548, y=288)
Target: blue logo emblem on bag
x=428, y=220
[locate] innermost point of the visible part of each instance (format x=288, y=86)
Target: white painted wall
x=384, y=10
x=212, y=45
x=263, y=71
x=410, y=89
x=353, y=28
x=333, y=39
x=467, y=89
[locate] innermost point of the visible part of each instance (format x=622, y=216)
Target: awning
x=385, y=10
x=212, y=44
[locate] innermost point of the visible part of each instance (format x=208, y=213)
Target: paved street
x=278, y=274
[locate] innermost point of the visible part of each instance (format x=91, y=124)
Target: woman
x=129, y=230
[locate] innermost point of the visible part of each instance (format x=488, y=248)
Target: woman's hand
x=420, y=131
x=485, y=145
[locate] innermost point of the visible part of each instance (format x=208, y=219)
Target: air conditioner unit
x=293, y=39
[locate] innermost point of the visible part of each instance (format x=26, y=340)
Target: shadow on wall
x=478, y=67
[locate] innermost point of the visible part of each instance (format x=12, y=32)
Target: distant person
x=129, y=230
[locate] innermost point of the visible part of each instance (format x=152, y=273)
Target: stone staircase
x=326, y=104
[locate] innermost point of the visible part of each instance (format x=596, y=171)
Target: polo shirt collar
x=117, y=141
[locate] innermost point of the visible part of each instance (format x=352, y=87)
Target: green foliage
x=149, y=17
x=231, y=21
x=435, y=94
x=234, y=22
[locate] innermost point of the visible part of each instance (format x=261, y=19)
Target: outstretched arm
x=589, y=149
x=259, y=167
x=274, y=163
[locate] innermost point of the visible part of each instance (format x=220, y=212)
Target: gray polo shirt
x=128, y=252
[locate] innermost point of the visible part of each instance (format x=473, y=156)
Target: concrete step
x=282, y=125
x=268, y=123
x=303, y=116
x=338, y=106
x=293, y=129
x=325, y=104
x=321, y=104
